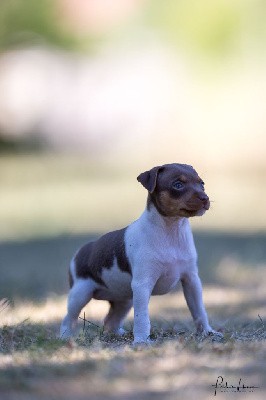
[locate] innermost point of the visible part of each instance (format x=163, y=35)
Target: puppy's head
x=175, y=190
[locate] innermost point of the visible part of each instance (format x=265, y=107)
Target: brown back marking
x=93, y=257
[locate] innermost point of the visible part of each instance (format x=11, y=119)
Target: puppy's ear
x=149, y=178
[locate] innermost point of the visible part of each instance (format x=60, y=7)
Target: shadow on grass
x=248, y=249
x=34, y=269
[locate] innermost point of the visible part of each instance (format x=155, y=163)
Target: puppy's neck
x=154, y=218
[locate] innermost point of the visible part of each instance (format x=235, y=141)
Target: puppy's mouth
x=191, y=211
x=195, y=211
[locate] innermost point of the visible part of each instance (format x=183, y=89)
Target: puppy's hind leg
x=116, y=315
x=80, y=294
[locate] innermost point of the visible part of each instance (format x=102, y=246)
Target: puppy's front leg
x=193, y=294
x=141, y=296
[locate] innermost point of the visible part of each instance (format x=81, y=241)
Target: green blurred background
x=94, y=92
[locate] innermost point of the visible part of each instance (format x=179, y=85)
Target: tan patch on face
x=167, y=204
x=183, y=178
x=191, y=200
x=178, y=207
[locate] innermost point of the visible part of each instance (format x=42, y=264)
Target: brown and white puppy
x=148, y=257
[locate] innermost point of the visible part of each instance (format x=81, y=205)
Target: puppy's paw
x=203, y=334
x=212, y=332
x=118, y=331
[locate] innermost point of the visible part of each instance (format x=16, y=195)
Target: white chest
x=168, y=271
x=160, y=254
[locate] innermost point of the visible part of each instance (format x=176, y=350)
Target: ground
x=35, y=364
x=49, y=206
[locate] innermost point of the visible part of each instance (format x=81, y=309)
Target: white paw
x=210, y=332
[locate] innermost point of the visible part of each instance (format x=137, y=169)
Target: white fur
x=79, y=295
x=161, y=252
x=118, y=284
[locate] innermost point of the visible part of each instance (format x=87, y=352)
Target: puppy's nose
x=204, y=198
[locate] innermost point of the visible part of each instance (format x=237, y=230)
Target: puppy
x=149, y=257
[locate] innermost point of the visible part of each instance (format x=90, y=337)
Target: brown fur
x=94, y=256
x=168, y=201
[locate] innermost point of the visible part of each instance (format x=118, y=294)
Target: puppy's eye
x=178, y=185
x=202, y=184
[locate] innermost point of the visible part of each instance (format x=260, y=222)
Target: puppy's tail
x=70, y=278
x=72, y=272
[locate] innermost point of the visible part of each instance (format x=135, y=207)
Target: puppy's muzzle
x=204, y=200
x=200, y=202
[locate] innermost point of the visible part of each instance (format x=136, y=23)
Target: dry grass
x=36, y=364
x=43, y=195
